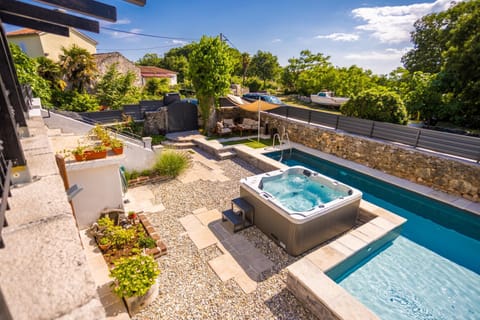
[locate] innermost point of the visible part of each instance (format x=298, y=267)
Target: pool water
x=297, y=192
x=431, y=271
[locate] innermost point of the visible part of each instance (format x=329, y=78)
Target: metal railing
x=5, y=175
x=444, y=142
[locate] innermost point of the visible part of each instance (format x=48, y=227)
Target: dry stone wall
x=439, y=172
x=156, y=122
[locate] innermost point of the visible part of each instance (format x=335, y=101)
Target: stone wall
x=105, y=60
x=439, y=172
x=156, y=122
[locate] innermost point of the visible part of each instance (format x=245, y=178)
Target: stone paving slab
x=202, y=238
x=225, y=267
x=208, y=217
x=190, y=222
x=240, y=259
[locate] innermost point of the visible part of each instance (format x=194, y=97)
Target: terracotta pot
x=91, y=155
x=104, y=247
x=118, y=150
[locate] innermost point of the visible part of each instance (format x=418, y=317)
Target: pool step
x=240, y=216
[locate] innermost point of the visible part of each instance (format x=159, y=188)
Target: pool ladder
x=281, y=139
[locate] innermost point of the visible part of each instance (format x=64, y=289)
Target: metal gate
x=182, y=116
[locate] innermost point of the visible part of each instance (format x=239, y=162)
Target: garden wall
x=440, y=172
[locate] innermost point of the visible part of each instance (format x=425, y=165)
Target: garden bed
x=141, y=236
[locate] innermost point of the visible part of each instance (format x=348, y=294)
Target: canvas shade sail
x=255, y=106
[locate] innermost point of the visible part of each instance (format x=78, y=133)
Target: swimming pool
x=431, y=271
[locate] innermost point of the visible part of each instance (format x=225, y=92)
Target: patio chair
x=221, y=130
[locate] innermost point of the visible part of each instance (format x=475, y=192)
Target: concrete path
x=141, y=199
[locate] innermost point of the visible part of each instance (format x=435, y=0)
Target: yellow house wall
x=52, y=44
x=30, y=42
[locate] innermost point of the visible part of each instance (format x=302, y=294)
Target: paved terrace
x=210, y=273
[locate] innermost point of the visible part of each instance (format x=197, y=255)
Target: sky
x=370, y=34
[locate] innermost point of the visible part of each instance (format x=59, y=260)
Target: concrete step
x=178, y=145
x=227, y=155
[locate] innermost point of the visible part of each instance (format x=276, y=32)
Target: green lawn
x=252, y=143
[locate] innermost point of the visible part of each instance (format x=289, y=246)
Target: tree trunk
x=208, y=112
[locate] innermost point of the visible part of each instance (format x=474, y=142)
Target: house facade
x=42, y=44
x=149, y=72
x=123, y=65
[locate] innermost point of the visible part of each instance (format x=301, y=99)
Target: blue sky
x=371, y=34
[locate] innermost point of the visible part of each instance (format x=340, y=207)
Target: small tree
x=116, y=89
x=210, y=69
x=377, y=104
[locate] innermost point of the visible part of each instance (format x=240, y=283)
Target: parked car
x=254, y=96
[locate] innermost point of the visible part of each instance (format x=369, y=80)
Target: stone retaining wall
x=439, y=172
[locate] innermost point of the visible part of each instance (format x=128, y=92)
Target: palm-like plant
x=50, y=71
x=78, y=67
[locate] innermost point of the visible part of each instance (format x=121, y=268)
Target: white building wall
x=102, y=188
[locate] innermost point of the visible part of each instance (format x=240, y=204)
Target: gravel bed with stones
x=189, y=288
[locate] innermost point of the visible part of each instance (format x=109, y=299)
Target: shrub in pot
x=135, y=280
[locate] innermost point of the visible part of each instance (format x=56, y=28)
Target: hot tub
x=299, y=208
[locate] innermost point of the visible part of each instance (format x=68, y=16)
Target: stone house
x=105, y=60
x=43, y=44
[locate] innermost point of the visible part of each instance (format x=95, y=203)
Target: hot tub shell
x=297, y=232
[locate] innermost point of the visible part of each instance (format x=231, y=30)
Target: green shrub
x=74, y=101
x=146, y=242
x=172, y=163
x=157, y=139
x=377, y=104
x=134, y=276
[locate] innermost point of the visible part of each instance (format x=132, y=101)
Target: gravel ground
x=189, y=289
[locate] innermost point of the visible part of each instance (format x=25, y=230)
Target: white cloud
x=338, y=36
x=179, y=42
x=393, y=24
x=121, y=35
x=276, y=40
x=118, y=22
x=389, y=54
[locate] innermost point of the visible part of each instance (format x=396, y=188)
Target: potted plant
x=82, y=153
x=136, y=280
x=104, y=243
x=116, y=145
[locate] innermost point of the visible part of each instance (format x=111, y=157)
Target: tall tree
x=150, y=59
x=210, y=69
x=461, y=70
x=246, y=59
x=176, y=59
x=447, y=44
x=78, y=67
x=428, y=44
x=265, y=66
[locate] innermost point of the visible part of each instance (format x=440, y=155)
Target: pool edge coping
x=429, y=192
